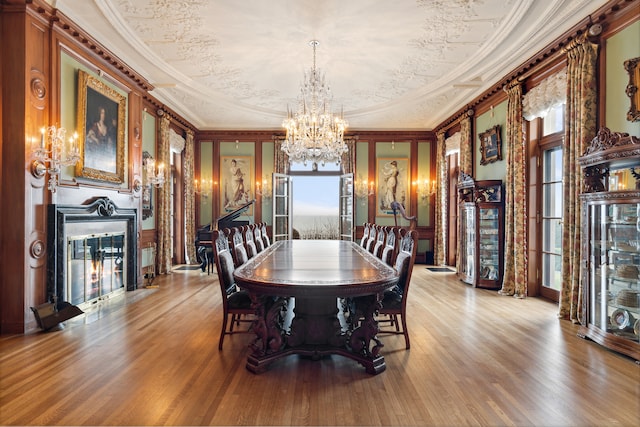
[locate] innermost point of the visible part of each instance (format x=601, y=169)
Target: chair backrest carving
x=390, y=250
x=371, y=241
x=257, y=237
x=265, y=235
x=381, y=239
x=249, y=243
x=365, y=235
x=239, y=252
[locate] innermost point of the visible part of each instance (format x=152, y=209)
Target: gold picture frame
x=633, y=68
x=236, y=183
x=393, y=184
x=490, y=145
x=101, y=122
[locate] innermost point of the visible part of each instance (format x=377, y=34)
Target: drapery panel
x=280, y=158
x=580, y=129
x=466, y=145
x=442, y=196
x=163, y=219
x=348, y=159
x=466, y=163
x=189, y=199
x=514, y=280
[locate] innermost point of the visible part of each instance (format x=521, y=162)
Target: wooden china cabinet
x=481, y=231
x=610, y=268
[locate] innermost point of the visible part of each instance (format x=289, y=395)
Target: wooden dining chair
x=394, y=303
x=365, y=235
x=236, y=304
x=248, y=241
x=381, y=241
x=371, y=241
x=390, y=250
x=265, y=235
x=238, y=250
x=257, y=237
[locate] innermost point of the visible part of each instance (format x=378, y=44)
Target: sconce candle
x=155, y=176
x=264, y=189
x=58, y=155
x=425, y=189
x=204, y=187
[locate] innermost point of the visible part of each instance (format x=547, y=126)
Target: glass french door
x=282, y=201
x=283, y=207
x=346, y=207
x=552, y=206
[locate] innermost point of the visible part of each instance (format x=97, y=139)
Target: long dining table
x=315, y=298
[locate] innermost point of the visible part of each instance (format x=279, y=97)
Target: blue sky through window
x=315, y=195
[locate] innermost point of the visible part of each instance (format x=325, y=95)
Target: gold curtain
x=163, y=218
x=580, y=128
x=514, y=281
x=442, y=196
x=466, y=164
x=280, y=158
x=466, y=144
x=189, y=199
x=348, y=159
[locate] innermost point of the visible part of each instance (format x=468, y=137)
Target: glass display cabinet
x=611, y=242
x=467, y=218
x=481, y=223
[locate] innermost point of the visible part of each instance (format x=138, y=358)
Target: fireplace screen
x=96, y=266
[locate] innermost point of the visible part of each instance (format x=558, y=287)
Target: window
x=553, y=122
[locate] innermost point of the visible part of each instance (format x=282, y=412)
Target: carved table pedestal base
x=315, y=331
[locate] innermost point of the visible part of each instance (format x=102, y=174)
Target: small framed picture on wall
x=490, y=145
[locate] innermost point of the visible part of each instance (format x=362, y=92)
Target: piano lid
x=224, y=220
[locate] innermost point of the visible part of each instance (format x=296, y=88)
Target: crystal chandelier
x=314, y=133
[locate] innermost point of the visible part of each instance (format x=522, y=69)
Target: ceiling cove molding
x=58, y=21
x=542, y=58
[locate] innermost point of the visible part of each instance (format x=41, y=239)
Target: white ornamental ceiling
x=391, y=64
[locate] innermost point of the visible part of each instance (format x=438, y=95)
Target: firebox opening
x=96, y=267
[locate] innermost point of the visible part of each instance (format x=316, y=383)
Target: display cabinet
x=481, y=229
x=467, y=239
x=611, y=242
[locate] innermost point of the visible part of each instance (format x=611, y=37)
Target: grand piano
x=204, y=235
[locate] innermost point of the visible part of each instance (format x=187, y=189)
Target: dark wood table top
x=315, y=268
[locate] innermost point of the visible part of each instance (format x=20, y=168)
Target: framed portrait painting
x=236, y=180
x=393, y=184
x=490, y=145
x=101, y=125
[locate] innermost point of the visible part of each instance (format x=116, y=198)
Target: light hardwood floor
x=476, y=358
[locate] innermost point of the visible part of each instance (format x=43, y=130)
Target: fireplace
x=92, y=251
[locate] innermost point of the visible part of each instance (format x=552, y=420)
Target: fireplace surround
x=91, y=250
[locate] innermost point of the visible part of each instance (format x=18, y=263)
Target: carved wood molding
x=605, y=149
x=608, y=145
